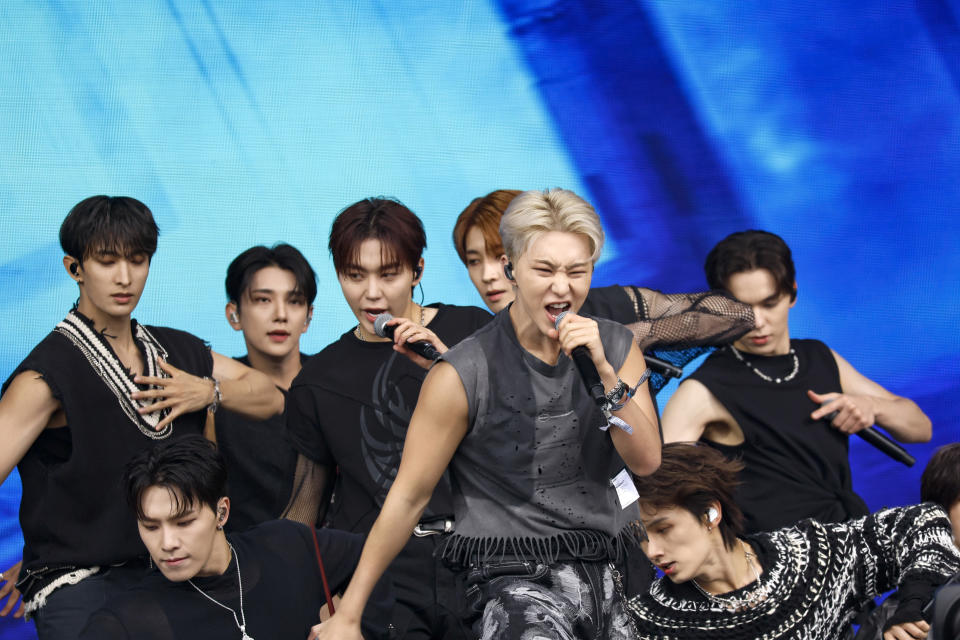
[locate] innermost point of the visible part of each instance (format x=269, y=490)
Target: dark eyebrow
x=654, y=522
x=773, y=298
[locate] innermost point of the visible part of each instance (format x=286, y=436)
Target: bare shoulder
x=28, y=392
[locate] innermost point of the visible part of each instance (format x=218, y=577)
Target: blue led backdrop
x=836, y=125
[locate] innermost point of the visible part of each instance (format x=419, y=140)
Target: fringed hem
x=39, y=600
x=463, y=551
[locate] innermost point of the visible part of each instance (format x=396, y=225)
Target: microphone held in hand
x=882, y=442
x=588, y=371
x=422, y=348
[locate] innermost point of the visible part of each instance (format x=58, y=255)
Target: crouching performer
x=540, y=471
x=807, y=581
x=267, y=582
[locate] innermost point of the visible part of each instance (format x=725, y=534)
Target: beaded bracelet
x=616, y=399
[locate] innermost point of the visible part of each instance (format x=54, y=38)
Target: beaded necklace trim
x=104, y=361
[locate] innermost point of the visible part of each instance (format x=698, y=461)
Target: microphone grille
x=560, y=316
x=380, y=322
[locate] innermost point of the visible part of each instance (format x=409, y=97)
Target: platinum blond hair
x=533, y=213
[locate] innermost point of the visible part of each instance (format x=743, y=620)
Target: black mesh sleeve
x=678, y=327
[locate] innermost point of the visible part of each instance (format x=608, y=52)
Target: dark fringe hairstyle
x=399, y=230
x=111, y=224
x=750, y=250
x=283, y=256
x=189, y=468
x=693, y=476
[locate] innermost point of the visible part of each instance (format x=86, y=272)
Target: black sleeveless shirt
x=794, y=467
x=73, y=511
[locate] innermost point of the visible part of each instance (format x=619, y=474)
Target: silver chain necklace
x=242, y=621
x=786, y=378
x=734, y=604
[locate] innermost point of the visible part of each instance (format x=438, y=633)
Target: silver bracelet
x=217, y=396
x=618, y=397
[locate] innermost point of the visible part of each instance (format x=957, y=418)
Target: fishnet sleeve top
x=679, y=327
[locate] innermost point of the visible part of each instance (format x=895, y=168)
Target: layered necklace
x=748, y=601
x=357, y=332
x=786, y=378
x=242, y=620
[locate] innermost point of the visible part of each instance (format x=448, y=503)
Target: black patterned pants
x=574, y=600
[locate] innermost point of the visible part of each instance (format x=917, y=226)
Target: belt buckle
x=433, y=527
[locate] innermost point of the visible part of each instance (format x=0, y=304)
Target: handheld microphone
x=588, y=371
x=881, y=441
x=422, y=348
x=663, y=367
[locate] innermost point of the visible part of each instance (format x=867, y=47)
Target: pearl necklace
x=242, y=621
x=786, y=378
x=734, y=604
x=357, y=332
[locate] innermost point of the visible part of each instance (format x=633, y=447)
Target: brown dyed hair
x=398, y=229
x=940, y=482
x=483, y=213
x=693, y=476
x=748, y=251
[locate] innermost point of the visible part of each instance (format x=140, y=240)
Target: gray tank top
x=531, y=479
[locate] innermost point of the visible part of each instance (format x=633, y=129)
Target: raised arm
x=684, y=320
x=245, y=390
x=864, y=403
x=438, y=425
x=242, y=389
x=641, y=449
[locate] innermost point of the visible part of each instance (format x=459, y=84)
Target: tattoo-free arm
x=25, y=410
x=243, y=390
x=864, y=403
x=438, y=425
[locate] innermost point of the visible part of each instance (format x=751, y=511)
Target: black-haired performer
x=270, y=293
x=806, y=581
x=350, y=406
x=262, y=583
x=543, y=494
x=787, y=407
x=97, y=389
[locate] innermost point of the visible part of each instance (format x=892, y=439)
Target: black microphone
x=881, y=441
x=588, y=371
x=422, y=348
x=663, y=367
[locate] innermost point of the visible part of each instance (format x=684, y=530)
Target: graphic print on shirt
x=384, y=422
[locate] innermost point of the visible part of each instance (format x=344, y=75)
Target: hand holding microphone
x=869, y=434
x=583, y=358
x=422, y=348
